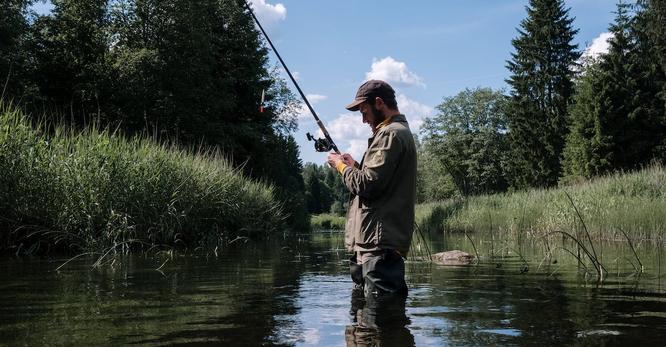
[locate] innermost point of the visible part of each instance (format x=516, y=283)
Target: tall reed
x=94, y=189
x=632, y=202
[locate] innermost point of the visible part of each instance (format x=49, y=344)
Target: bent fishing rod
x=321, y=145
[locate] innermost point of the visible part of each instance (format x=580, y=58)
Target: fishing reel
x=321, y=145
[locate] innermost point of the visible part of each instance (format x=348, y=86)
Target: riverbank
x=327, y=221
x=632, y=203
x=93, y=190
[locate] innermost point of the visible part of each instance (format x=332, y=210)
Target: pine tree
x=542, y=89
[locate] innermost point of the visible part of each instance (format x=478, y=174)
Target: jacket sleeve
x=379, y=165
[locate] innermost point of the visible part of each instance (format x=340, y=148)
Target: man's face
x=371, y=115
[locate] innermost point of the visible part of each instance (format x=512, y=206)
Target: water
x=297, y=293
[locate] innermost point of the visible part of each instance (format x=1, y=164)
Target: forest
x=193, y=76
x=564, y=117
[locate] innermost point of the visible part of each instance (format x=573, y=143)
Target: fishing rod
x=321, y=145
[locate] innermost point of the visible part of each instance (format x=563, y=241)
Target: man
x=380, y=217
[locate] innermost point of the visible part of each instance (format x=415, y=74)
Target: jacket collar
x=397, y=118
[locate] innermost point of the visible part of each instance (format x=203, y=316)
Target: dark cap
x=371, y=89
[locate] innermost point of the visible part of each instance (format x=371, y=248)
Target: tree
x=70, y=48
x=433, y=183
x=286, y=176
x=649, y=29
x=541, y=91
x=313, y=188
x=189, y=73
x=582, y=156
x=324, y=190
x=338, y=191
x=617, y=121
x=468, y=138
x=13, y=62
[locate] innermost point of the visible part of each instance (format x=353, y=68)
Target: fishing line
x=321, y=145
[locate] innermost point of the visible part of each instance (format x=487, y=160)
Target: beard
x=378, y=115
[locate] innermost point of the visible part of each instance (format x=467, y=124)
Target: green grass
x=327, y=221
x=92, y=190
x=633, y=202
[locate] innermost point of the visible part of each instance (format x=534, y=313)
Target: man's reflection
x=378, y=320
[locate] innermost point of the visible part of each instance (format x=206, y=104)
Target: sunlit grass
x=95, y=189
x=631, y=202
x=327, y=221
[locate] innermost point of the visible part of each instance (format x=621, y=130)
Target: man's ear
x=378, y=102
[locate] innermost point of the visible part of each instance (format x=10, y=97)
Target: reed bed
x=95, y=190
x=327, y=221
x=614, y=207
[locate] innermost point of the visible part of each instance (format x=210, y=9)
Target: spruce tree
x=617, y=121
x=582, y=157
x=541, y=92
x=649, y=29
x=617, y=90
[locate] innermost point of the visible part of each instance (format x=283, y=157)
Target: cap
x=371, y=88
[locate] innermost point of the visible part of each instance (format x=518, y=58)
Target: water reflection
x=299, y=294
x=378, y=320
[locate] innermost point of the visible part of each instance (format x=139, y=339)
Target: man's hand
x=333, y=159
x=347, y=159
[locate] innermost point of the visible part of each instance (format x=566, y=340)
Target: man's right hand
x=347, y=159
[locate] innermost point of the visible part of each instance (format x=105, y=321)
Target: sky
x=427, y=50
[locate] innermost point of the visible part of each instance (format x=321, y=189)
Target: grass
x=327, y=221
x=610, y=206
x=94, y=190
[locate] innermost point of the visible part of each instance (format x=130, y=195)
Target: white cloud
x=393, y=71
x=599, y=46
x=351, y=134
x=315, y=98
x=268, y=14
x=303, y=111
x=414, y=111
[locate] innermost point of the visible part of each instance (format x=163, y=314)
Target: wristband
x=341, y=166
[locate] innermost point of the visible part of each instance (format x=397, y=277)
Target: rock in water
x=454, y=257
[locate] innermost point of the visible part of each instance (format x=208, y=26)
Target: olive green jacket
x=383, y=191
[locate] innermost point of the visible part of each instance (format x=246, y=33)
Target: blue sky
x=427, y=50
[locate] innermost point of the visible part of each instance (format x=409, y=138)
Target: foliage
x=629, y=202
x=70, y=50
x=92, y=190
x=617, y=120
x=14, y=32
x=582, y=156
x=541, y=91
x=191, y=73
x=324, y=190
x=433, y=183
x=468, y=138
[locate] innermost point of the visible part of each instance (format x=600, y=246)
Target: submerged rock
x=454, y=257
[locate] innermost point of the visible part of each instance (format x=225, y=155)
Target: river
x=297, y=293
